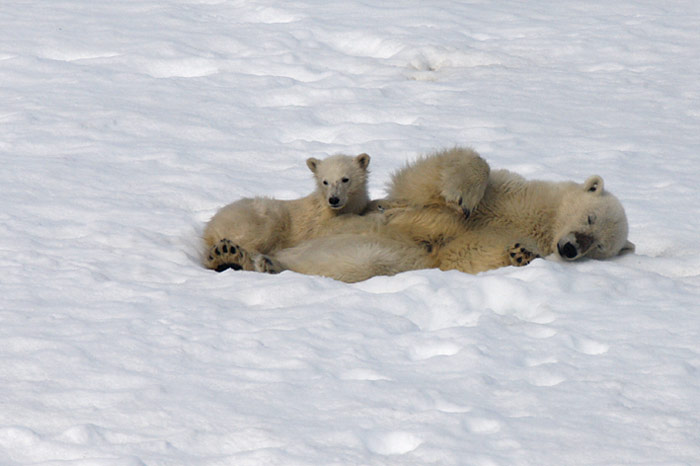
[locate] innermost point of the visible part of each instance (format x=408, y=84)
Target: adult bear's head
x=591, y=222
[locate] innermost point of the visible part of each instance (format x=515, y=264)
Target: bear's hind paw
x=225, y=255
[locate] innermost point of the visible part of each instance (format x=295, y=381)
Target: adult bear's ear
x=628, y=248
x=312, y=163
x=594, y=184
x=362, y=161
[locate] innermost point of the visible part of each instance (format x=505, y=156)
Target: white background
x=125, y=125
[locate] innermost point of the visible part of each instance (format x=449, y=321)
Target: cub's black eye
x=345, y=180
x=325, y=183
x=591, y=219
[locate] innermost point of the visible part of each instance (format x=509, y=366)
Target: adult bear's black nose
x=333, y=200
x=568, y=250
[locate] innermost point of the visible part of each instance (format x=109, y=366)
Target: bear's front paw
x=225, y=255
x=464, y=201
x=519, y=256
x=266, y=264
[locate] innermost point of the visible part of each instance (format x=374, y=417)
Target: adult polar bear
x=514, y=221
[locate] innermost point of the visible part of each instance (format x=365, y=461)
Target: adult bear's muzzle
x=574, y=245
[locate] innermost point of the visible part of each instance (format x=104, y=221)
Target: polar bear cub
x=252, y=226
x=454, y=177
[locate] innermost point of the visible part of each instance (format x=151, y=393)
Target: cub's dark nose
x=333, y=201
x=568, y=250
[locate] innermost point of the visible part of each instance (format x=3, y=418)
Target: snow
x=125, y=125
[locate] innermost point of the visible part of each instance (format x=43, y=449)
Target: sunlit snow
x=125, y=125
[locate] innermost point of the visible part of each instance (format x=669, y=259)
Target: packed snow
x=125, y=125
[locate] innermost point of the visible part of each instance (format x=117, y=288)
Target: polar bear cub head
x=341, y=181
x=591, y=222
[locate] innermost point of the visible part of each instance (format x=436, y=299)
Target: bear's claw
x=463, y=200
x=266, y=264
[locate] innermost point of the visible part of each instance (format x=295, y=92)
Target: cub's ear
x=628, y=248
x=362, y=161
x=312, y=163
x=594, y=184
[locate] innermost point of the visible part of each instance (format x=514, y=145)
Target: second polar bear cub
x=265, y=225
x=454, y=177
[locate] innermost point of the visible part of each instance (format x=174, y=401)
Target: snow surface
x=125, y=125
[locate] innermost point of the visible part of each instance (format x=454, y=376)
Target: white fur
x=516, y=221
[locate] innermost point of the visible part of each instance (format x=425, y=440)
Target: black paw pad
x=223, y=267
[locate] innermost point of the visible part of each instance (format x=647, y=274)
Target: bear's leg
x=348, y=257
x=479, y=250
x=519, y=256
x=256, y=224
x=226, y=255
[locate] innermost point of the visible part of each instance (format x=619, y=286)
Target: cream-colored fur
x=516, y=221
x=455, y=177
x=263, y=225
x=517, y=216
